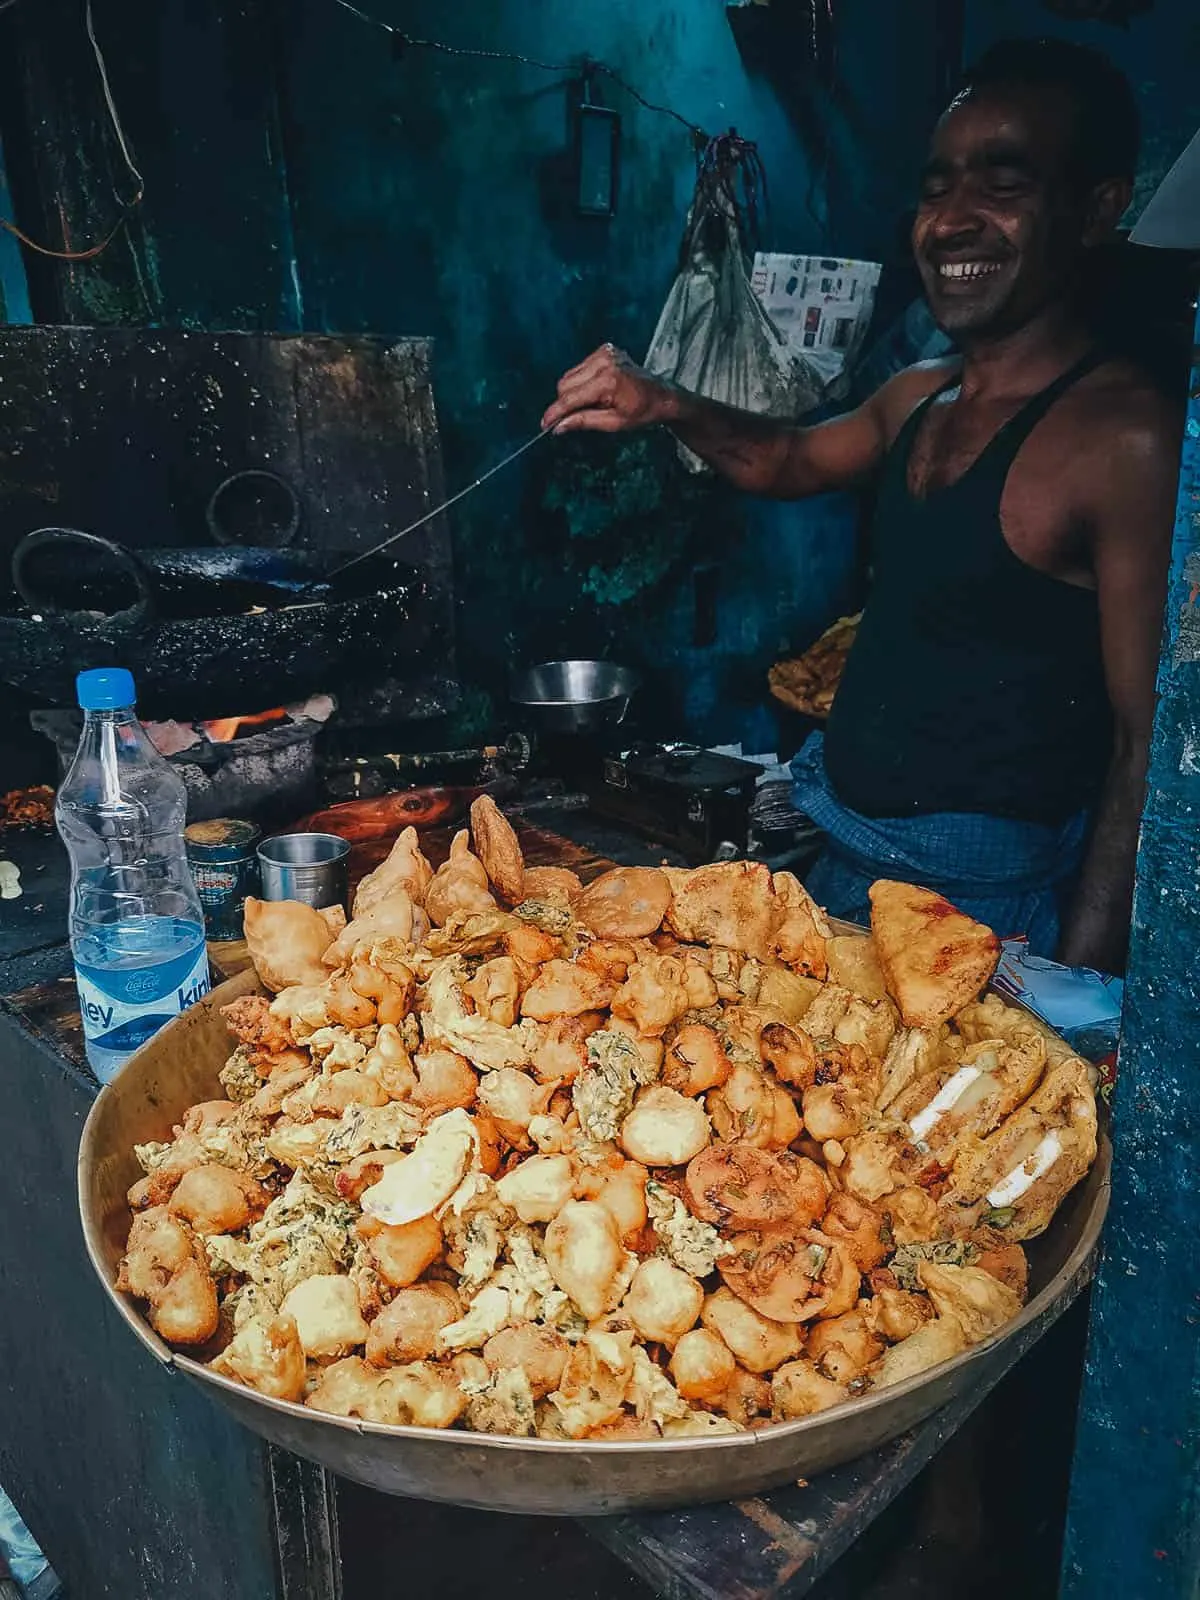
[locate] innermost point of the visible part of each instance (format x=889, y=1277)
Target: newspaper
x=822, y=306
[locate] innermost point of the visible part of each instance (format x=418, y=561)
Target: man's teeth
x=968, y=269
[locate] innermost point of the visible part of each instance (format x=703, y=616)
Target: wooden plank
x=1134, y=1520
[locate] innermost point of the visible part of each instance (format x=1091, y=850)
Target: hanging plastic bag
x=714, y=337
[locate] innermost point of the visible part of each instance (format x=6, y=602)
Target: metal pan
x=574, y=697
x=179, y=1067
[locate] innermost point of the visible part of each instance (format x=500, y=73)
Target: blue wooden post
x=1133, y=1526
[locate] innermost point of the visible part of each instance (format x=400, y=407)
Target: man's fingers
x=596, y=362
x=592, y=422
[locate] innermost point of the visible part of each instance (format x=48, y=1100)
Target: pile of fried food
x=809, y=683
x=665, y=1156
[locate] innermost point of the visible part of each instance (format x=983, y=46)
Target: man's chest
x=1034, y=489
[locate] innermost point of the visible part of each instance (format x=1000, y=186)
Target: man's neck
x=1015, y=365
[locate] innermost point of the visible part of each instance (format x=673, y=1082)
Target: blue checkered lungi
x=1014, y=876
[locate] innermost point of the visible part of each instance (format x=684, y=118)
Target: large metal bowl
x=179, y=1068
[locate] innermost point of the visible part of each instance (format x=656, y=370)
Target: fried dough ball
x=495, y=990
x=747, y=1399
x=530, y=947
x=654, y=995
x=348, y=1388
x=833, y=1111
x=730, y=904
x=563, y=989
x=650, y=1050
x=540, y=1353
x=498, y=849
x=325, y=1310
x=345, y=1089
x=538, y=1188
x=859, y=1227
x=935, y=1342
x=402, y=1252
x=664, y=1129
x=913, y=1215
x=559, y=885
x=251, y=1022
x=459, y=884
x=267, y=1356
x=1005, y=1261
x=346, y=1006
x=390, y=1064
x=621, y=1190
x=896, y=1314
x=512, y=1099
x=561, y=1052
x=625, y=903
x=790, y=1051
x=741, y=1186
x=421, y=1395
x=165, y=1265
x=695, y=1061
x=844, y=1347
x=611, y=958
x=751, y=1109
x=758, y=1343
x=407, y=1327
x=663, y=1302
x=586, y=1260
x=803, y=933
x=702, y=1365
x=445, y=1080
x=286, y=941
x=391, y=997
x=800, y=1390
x=361, y=1173
x=215, y=1200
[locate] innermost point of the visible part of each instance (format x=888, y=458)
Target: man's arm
x=608, y=393
x=1134, y=515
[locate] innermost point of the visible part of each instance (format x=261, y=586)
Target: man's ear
x=1108, y=203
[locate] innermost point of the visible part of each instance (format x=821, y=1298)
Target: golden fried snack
x=497, y=847
x=512, y=1099
x=843, y=1347
x=752, y=1109
x=663, y=1303
x=854, y=965
x=977, y=1301
x=286, y=941
x=444, y=1081
x=654, y=995
x=740, y=1186
x=251, y=1022
x=586, y=1259
x=266, y=1355
x=540, y=1353
x=215, y=1200
x=403, y=1252
x=165, y=1265
x=695, y=1060
x=731, y=904
x=934, y=1342
x=702, y=1366
x=459, y=885
x=664, y=1129
x=388, y=918
x=759, y=1344
x=809, y=683
x=620, y=1187
x=935, y=959
x=558, y=885
x=325, y=1311
x=539, y=1188
x=803, y=935
x=391, y=994
x=408, y=1326
x=791, y=1053
x=800, y=1389
x=561, y=1052
x=405, y=867
x=563, y=989
x=791, y=1274
x=895, y=1314
x=626, y=903
x=861, y=1228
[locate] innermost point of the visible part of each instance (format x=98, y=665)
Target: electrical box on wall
x=597, y=153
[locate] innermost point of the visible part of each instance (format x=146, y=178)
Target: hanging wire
x=128, y=206
x=408, y=41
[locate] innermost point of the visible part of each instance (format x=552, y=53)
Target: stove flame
x=223, y=730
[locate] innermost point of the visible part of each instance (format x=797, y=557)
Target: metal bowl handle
x=133, y=616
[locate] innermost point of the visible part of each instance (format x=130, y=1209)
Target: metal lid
x=222, y=833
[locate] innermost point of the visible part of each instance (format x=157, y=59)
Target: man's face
x=1001, y=224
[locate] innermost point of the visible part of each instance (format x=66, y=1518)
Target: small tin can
x=224, y=863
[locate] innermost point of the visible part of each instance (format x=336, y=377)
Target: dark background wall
x=298, y=177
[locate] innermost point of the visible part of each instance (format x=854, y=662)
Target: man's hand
x=609, y=393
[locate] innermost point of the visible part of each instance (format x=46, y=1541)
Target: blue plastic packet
x=1082, y=1005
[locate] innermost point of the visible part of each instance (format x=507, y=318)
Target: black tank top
x=976, y=682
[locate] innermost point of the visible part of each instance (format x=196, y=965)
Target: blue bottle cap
x=105, y=689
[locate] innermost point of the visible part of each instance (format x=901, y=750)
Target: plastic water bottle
x=136, y=928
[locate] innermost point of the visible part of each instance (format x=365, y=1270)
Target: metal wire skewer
x=428, y=516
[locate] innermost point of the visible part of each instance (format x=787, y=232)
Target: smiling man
x=990, y=735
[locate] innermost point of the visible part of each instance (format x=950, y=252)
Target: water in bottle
x=136, y=928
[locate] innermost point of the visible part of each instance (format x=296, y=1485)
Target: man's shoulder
x=1119, y=406
x=900, y=395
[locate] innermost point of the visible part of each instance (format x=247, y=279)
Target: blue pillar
x=1133, y=1526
